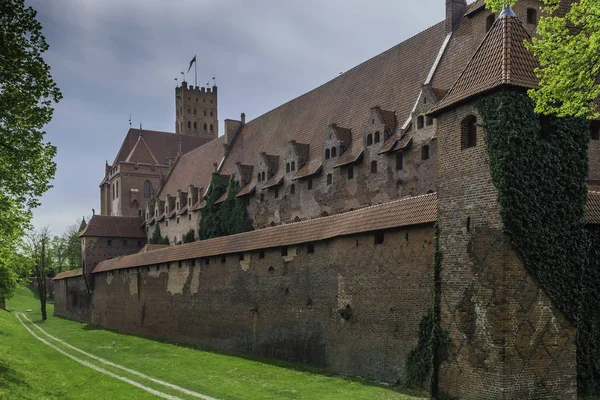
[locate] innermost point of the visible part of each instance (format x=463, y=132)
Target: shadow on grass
x=9, y=375
x=263, y=360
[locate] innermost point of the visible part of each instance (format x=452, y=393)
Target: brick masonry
x=298, y=300
x=507, y=339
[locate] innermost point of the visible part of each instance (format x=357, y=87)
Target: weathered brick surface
x=296, y=297
x=72, y=299
x=96, y=249
x=507, y=339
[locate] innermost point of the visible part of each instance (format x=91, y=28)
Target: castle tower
x=196, y=111
x=506, y=339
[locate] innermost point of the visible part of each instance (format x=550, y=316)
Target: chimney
x=243, y=118
x=455, y=9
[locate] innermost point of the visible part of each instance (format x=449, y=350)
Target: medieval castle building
x=343, y=185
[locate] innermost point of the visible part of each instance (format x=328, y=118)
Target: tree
x=38, y=249
x=190, y=236
x=27, y=93
x=156, y=237
x=568, y=48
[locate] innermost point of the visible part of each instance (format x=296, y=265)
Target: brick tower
x=196, y=111
x=507, y=339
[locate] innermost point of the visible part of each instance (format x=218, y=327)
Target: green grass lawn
x=31, y=370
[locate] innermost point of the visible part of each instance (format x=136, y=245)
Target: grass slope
x=31, y=370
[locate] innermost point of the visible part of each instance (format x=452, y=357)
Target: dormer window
x=287, y=168
x=420, y=122
x=263, y=175
x=369, y=139
x=425, y=152
x=327, y=154
x=334, y=152
x=377, y=137
x=293, y=189
x=293, y=165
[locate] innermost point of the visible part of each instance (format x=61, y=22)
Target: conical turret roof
x=500, y=60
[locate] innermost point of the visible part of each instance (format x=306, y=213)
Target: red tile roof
x=109, y=226
x=69, y=274
x=391, y=80
x=406, y=212
x=500, y=60
x=311, y=168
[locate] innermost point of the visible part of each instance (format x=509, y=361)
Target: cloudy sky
x=113, y=58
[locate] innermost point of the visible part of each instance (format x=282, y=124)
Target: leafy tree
x=38, y=251
x=27, y=93
x=156, y=237
x=164, y=240
x=227, y=218
x=568, y=48
x=189, y=237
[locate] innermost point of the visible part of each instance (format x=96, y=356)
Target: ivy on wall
x=226, y=218
x=157, y=238
x=539, y=166
x=189, y=237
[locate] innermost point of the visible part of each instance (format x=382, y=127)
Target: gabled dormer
x=243, y=173
x=296, y=156
x=268, y=165
x=193, y=195
x=337, y=141
x=169, y=205
x=381, y=126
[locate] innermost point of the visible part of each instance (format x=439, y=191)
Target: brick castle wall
x=507, y=339
x=285, y=307
x=72, y=299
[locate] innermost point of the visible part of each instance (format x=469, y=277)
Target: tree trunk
x=42, y=280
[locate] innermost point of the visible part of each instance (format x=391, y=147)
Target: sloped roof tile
x=110, y=226
x=69, y=274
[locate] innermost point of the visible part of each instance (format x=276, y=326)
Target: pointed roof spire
x=501, y=60
x=82, y=225
x=507, y=11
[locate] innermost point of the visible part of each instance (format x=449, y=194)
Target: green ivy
x=157, y=238
x=190, y=236
x=431, y=349
x=226, y=218
x=539, y=166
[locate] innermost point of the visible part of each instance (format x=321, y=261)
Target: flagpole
x=195, y=72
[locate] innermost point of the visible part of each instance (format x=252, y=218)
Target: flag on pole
x=192, y=63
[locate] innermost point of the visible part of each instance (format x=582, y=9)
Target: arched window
x=329, y=179
x=531, y=16
x=188, y=111
x=425, y=152
x=189, y=125
x=117, y=194
x=211, y=113
x=373, y=167
x=293, y=189
x=135, y=206
x=195, y=126
x=287, y=168
x=258, y=177
x=327, y=154
x=399, y=161
x=376, y=137
x=194, y=111
x=293, y=165
x=420, y=122
x=468, y=137
x=147, y=189
x=211, y=129
x=428, y=121
x=204, y=128
x=205, y=113
x=113, y=191
x=263, y=175
x=369, y=139
x=490, y=21
x=334, y=152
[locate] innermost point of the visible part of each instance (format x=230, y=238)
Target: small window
x=350, y=173
x=310, y=248
x=310, y=184
x=334, y=152
x=425, y=152
x=369, y=139
x=262, y=197
x=206, y=260
x=377, y=138
x=211, y=128
x=399, y=162
x=329, y=179
x=428, y=120
x=195, y=126
x=531, y=16
x=420, y=122
x=189, y=217
x=204, y=130
x=327, y=154
x=490, y=22
x=258, y=177
x=378, y=238
x=124, y=243
x=189, y=125
x=139, y=243
x=293, y=189
x=177, y=220
x=284, y=251
x=223, y=259
x=205, y=113
x=261, y=254
x=109, y=243
x=373, y=167
x=167, y=222
x=263, y=175
x=276, y=193
x=194, y=111
x=595, y=130
x=192, y=262
x=468, y=132
x=287, y=168
x=188, y=111
x=241, y=256
x=211, y=113
x=293, y=165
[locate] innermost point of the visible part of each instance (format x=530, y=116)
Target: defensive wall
x=345, y=293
